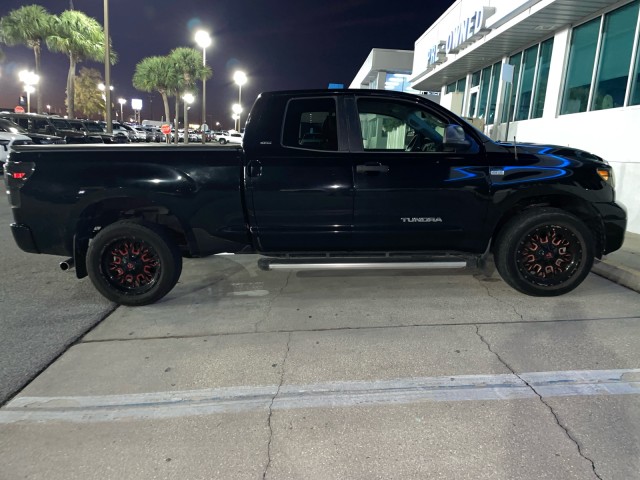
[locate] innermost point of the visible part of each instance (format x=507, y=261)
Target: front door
x=413, y=191
x=302, y=193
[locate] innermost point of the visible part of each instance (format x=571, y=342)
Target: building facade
x=565, y=72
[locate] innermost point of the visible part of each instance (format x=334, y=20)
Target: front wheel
x=544, y=252
x=133, y=263
x=223, y=141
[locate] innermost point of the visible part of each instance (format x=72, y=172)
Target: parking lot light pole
x=188, y=99
x=122, y=101
x=107, y=68
x=240, y=78
x=203, y=40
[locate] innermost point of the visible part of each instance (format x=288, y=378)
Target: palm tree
x=81, y=38
x=30, y=26
x=153, y=74
x=186, y=68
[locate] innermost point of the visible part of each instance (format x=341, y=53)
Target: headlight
x=607, y=175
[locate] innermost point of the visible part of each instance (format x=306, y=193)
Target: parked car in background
x=7, y=126
x=47, y=125
x=122, y=129
x=229, y=137
x=156, y=134
x=7, y=140
x=141, y=134
x=94, y=135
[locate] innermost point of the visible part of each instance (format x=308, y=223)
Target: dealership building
x=565, y=72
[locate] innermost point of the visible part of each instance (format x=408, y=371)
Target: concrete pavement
x=622, y=266
x=240, y=373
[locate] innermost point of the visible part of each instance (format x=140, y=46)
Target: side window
x=23, y=122
x=311, y=124
x=40, y=125
x=398, y=126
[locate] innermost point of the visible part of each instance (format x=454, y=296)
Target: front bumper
x=614, y=221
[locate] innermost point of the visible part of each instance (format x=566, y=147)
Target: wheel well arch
x=576, y=206
x=105, y=212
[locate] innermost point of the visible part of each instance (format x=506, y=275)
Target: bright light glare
x=203, y=39
x=240, y=78
x=236, y=108
x=188, y=98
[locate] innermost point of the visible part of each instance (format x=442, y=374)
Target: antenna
x=515, y=147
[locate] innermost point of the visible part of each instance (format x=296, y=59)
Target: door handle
x=372, y=167
x=255, y=168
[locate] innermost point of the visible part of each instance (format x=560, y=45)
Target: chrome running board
x=357, y=264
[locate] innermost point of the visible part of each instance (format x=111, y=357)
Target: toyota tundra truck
x=323, y=179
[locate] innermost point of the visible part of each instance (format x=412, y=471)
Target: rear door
x=413, y=191
x=302, y=190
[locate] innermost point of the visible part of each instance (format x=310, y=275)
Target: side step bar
x=360, y=263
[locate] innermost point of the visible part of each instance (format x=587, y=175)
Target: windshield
x=93, y=127
x=10, y=127
x=60, y=123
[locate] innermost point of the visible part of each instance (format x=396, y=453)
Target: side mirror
x=455, y=137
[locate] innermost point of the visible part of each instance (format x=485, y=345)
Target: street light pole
x=240, y=78
x=188, y=100
x=203, y=40
x=107, y=68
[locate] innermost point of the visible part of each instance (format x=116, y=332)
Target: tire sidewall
x=516, y=231
x=167, y=251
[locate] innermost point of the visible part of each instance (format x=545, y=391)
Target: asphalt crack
x=549, y=407
x=284, y=361
x=498, y=300
x=269, y=307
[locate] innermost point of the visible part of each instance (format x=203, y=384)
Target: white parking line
x=458, y=388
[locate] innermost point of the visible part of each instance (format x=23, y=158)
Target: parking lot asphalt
x=240, y=373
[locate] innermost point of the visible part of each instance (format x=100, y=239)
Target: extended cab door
x=421, y=181
x=301, y=190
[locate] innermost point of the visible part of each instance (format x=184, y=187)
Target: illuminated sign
x=464, y=34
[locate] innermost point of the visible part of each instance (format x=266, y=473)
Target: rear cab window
x=311, y=123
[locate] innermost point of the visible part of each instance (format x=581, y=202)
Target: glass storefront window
x=526, y=85
x=493, y=97
x=461, y=84
x=635, y=85
x=582, y=54
x=618, y=35
x=542, y=78
x=484, y=92
x=512, y=91
x=475, y=79
x=451, y=87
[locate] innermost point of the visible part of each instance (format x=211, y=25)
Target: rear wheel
x=544, y=252
x=133, y=263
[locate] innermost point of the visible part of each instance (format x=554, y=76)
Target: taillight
x=18, y=172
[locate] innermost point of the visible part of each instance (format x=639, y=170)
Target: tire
x=152, y=258
x=223, y=141
x=544, y=252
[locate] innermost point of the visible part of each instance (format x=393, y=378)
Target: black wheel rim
x=549, y=255
x=131, y=266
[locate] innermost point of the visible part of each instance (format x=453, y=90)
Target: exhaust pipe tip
x=67, y=264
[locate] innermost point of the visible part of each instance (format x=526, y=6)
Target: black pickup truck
x=323, y=178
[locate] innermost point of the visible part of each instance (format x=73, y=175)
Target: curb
x=623, y=276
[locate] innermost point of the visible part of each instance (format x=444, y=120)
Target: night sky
x=280, y=44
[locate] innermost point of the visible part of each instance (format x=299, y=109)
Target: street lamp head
x=29, y=88
x=203, y=39
x=122, y=101
x=102, y=87
x=240, y=78
x=188, y=98
x=28, y=78
x=237, y=108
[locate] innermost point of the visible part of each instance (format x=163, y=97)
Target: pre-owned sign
x=466, y=32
